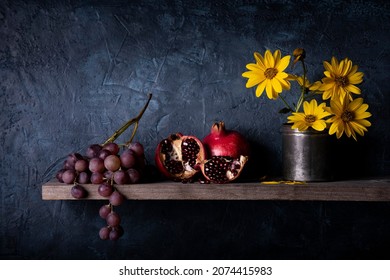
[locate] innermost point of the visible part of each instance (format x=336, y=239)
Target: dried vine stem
x=134, y=121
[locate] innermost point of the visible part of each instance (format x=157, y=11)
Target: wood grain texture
x=357, y=190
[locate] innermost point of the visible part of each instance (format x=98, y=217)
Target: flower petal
x=260, y=88
x=284, y=62
x=276, y=85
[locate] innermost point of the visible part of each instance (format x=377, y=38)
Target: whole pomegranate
x=223, y=142
x=178, y=157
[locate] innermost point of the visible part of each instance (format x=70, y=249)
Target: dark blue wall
x=71, y=72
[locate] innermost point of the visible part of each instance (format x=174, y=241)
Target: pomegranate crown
x=218, y=127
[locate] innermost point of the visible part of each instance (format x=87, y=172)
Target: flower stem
x=285, y=103
x=135, y=121
x=303, y=88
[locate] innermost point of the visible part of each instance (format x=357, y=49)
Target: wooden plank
x=356, y=190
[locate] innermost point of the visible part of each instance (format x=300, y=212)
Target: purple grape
x=59, y=175
x=78, y=192
x=104, y=211
x=105, y=189
x=103, y=154
x=83, y=178
x=97, y=178
x=134, y=175
x=104, y=233
x=93, y=150
x=68, y=166
x=113, y=219
x=112, y=147
x=121, y=177
x=116, y=198
x=128, y=159
x=112, y=163
x=96, y=165
x=137, y=147
x=81, y=165
x=119, y=229
x=72, y=159
x=68, y=176
x=115, y=234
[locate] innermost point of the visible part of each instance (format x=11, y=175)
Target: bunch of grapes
x=105, y=165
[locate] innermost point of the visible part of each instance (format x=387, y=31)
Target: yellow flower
x=349, y=117
x=268, y=74
x=312, y=116
x=340, y=80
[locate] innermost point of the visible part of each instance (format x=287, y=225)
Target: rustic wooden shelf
x=353, y=190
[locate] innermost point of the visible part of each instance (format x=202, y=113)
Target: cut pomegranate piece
x=178, y=157
x=221, y=169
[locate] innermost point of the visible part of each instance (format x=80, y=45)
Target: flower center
x=342, y=81
x=310, y=118
x=347, y=116
x=270, y=73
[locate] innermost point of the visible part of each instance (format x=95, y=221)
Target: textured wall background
x=71, y=72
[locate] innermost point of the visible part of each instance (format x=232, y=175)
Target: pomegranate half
x=223, y=169
x=178, y=157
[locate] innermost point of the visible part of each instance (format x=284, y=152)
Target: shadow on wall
x=261, y=164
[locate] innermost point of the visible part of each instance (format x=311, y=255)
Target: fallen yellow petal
x=271, y=182
x=283, y=182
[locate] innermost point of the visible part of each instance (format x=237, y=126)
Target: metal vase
x=306, y=155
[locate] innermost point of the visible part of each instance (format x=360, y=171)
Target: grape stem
x=134, y=121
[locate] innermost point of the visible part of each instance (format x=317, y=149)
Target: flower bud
x=299, y=54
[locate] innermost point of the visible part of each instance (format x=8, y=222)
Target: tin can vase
x=306, y=155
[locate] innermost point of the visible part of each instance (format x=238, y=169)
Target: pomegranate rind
x=188, y=170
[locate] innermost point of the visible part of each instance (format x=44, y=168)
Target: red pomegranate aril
x=221, y=170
